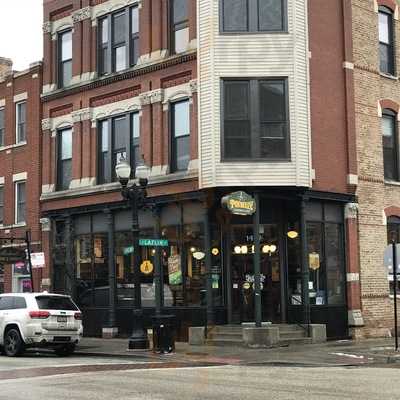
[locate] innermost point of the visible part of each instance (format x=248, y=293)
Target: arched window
x=390, y=145
x=386, y=39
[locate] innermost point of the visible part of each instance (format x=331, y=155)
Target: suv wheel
x=13, y=343
x=65, y=350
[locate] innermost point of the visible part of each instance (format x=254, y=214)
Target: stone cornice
x=129, y=74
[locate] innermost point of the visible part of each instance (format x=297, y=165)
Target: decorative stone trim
x=158, y=170
x=352, y=179
x=2, y=102
x=351, y=211
x=46, y=124
x=389, y=4
x=1, y=180
x=21, y=176
x=82, y=14
x=353, y=277
x=110, y=6
x=348, y=65
x=51, y=87
x=193, y=86
x=46, y=224
x=49, y=188
x=46, y=27
x=154, y=96
x=120, y=107
x=83, y=78
x=20, y=97
x=193, y=165
x=153, y=57
x=313, y=174
x=82, y=183
x=81, y=115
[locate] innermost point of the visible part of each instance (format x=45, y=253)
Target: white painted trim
x=379, y=109
x=50, y=87
x=18, y=98
x=50, y=188
x=1, y=180
x=2, y=102
x=21, y=176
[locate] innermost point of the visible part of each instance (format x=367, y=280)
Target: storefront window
x=184, y=266
x=393, y=232
x=21, y=278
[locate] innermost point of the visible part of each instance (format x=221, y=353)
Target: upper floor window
x=64, y=58
x=119, y=137
x=64, y=159
x=390, y=145
x=255, y=124
x=386, y=41
x=252, y=15
x=118, y=41
x=20, y=202
x=180, y=135
x=179, y=25
x=20, y=110
x=1, y=205
x=1, y=127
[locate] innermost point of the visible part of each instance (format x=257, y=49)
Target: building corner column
x=111, y=330
x=355, y=318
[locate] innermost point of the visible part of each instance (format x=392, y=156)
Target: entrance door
x=242, y=263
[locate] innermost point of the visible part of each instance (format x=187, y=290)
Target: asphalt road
x=47, y=377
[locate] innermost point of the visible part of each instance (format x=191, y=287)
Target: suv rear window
x=55, y=303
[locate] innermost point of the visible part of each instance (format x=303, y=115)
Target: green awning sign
x=239, y=203
x=128, y=250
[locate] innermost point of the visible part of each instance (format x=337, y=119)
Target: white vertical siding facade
x=253, y=55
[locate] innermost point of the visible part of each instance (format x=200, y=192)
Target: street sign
x=37, y=260
x=11, y=255
x=128, y=250
x=153, y=242
x=239, y=203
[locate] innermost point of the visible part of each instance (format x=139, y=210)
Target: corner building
x=215, y=97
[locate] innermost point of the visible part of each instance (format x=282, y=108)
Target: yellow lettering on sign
x=247, y=205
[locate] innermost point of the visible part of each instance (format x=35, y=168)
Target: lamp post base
x=139, y=339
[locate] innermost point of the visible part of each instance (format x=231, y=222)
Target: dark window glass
x=393, y=232
x=20, y=202
x=389, y=139
x=1, y=205
x=19, y=303
x=64, y=172
x=255, y=120
x=6, y=303
x=179, y=25
x=1, y=127
x=118, y=40
x=180, y=136
x=237, y=135
x=253, y=15
x=235, y=15
x=65, y=58
x=21, y=122
x=119, y=137
x=386, y=45
x=55, y=303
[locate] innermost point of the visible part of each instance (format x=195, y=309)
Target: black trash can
x=163, y=333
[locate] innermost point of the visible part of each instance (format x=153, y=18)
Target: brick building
x=377, y=99
x=20, y=132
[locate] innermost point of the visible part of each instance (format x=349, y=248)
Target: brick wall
x=374, y=195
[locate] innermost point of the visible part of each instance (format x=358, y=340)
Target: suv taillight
x=78, y=315
x=39, y=314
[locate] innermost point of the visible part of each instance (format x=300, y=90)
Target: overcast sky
x=21, y=31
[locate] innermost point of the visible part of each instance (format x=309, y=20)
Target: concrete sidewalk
x=334, y=353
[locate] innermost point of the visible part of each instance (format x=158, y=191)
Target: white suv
x=39, y=320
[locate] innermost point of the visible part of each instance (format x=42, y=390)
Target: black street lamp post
x=136, y=195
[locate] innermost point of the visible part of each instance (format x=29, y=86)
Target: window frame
x=392, y=45
x=254, y=115
x=174, y=27
x=59, y=162
x=2, y=126
x=390, y=113
x=18, y=123
x=17, y=203
x=60, y=63
x=172, y=139
x=130, y=38
x=253, y=20
x=102, y=174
